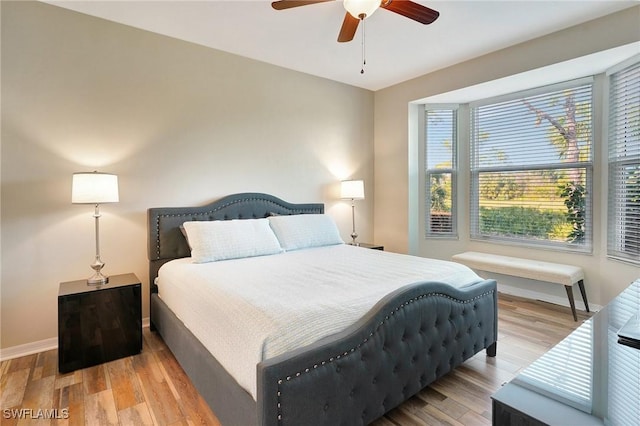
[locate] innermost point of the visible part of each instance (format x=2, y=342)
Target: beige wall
x=179, y=124
x=394, y=128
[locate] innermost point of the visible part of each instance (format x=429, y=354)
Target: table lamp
x=95, y=188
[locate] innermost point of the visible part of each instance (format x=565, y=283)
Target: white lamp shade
x=94, y=188
x=361, y=7
x=352, y=190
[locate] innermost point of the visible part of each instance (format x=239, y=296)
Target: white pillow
x=230, y=239
x=305, y=230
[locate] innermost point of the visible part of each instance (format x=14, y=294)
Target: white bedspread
x=247, y=310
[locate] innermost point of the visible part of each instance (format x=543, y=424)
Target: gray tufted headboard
x=166, y=242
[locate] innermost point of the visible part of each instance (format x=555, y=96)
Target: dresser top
x=81, y=286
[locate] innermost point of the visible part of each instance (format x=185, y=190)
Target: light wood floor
x=151, y=388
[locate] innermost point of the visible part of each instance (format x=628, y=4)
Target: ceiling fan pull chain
x=364, y=60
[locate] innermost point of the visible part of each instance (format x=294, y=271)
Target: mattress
x=250, y=309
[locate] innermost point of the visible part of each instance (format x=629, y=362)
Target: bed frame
x=406, y=341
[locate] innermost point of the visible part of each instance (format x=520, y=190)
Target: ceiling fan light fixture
x=358, y=8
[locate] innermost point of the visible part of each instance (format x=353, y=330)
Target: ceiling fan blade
x=288, y=4
x=349, y=27
x=411, y=10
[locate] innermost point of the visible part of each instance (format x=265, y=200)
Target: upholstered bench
x=557, y=273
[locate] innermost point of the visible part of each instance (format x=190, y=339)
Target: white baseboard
x=39, y=346
x=544, y=297
x=28, y=348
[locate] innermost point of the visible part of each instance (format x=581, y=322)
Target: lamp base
x=98, y=279
x=354, y=235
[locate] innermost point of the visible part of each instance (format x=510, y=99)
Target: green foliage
x=575, y=200
x=501, y=187
x=540, y=224
x=521, y=222
x=560, y=232
x=440, y=185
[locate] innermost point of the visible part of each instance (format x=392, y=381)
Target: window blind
x=531, y=168
x=624, y=164
x=441, y=168
x=565, y=373
x=623, y=388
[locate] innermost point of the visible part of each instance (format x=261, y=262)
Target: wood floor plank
x=459, y=392
x=384, y=421
x=163, y=406
x=152, y=342
x=191, y=402
x=21, y=363
x=100, y=409
x=152, y=389
x=440, y=416
x=46, y=364
x=64, y=380
x=472, y=418
x=137, y=415
x=406, y=417
x=435, y=399
x=484, y=374
x=13, y=386
x=39, y=393
x=75, y=404
x=38, y=396
x=124, y=383
x=497, y=365
x=182, y=422
x=94, y=379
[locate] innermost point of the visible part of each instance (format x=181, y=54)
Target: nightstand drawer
x=97, y=324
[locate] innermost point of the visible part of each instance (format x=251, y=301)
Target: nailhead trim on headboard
x=251, y=203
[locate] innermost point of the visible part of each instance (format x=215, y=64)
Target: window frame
x=616, y=225
x=453, y=171
x=588, y=166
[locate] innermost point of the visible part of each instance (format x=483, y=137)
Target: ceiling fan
x=358, y=10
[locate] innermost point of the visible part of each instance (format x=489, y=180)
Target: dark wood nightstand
x=371, y=246
x=97, y=324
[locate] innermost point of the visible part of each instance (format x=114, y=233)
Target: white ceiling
x=397, y=48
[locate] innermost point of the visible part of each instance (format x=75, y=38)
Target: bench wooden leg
x=584, y=294
x=571, y=301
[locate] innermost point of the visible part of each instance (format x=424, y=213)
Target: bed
x=406, y=340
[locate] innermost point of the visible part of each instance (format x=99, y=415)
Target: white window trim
x=545, y=245
x=455, y=200
x=533, y=91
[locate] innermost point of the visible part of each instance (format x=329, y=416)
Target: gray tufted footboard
x=408, y=340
